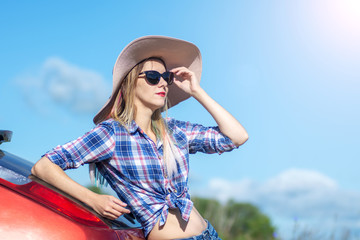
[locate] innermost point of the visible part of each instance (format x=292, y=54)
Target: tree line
x=235, y=220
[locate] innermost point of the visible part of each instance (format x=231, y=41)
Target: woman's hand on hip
x=108, y=206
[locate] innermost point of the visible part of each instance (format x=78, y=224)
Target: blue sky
x=287, y=70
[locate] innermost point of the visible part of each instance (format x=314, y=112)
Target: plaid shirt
x=133, y=164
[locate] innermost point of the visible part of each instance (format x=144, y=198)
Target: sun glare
x=343, y=21
x=335, y=26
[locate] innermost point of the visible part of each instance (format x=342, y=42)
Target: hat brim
x=174, y=52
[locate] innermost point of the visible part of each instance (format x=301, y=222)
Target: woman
x=143, y=156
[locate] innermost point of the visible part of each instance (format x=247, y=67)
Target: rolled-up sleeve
x=96, y=145
x=205, y=139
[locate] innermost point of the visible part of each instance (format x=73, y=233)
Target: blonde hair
x=124, y=111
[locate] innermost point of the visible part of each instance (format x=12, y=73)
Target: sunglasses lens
x=168, y=77
x=153, y=77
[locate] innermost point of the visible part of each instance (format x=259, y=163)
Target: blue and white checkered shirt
x=133, y=164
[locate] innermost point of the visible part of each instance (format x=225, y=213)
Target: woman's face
x=149, y=96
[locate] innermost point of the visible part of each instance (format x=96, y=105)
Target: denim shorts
x=208, y=234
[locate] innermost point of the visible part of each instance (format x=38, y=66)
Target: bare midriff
x=176, y=228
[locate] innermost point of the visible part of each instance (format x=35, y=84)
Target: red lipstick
x=162, y=94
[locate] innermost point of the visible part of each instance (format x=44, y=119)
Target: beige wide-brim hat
x=174, y=52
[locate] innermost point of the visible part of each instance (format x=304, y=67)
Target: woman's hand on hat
x=186, y=80
x=108, y=206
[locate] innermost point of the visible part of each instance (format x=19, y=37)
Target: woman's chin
x=155, y=107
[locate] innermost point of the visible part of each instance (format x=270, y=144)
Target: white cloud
x=63, y=84
x=294, y=194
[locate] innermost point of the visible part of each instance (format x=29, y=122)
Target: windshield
x=12, y=176
x=14, y=169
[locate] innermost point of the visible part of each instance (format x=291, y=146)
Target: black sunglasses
x=153, y=77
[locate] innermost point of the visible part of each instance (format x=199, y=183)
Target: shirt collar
x=133, y=127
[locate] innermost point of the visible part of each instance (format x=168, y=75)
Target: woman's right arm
x=106, y=205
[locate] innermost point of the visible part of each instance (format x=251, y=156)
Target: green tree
x=95, y=189
x=236, y=221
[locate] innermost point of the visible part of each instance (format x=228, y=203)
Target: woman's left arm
x=227, y=123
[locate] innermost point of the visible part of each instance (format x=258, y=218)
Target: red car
x=33, y=209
